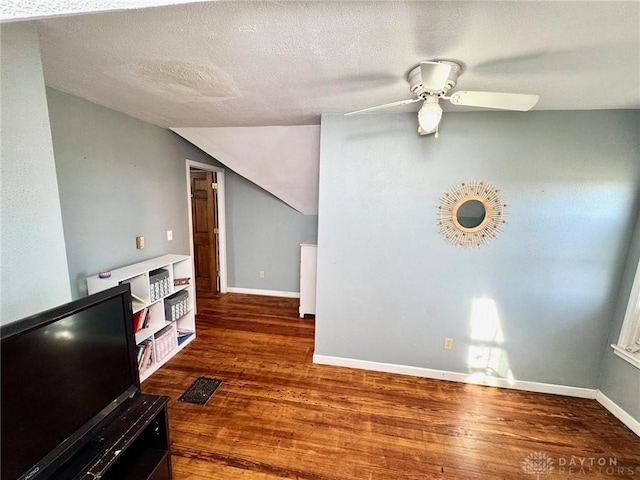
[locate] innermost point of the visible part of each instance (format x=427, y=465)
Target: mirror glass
x=471, y=214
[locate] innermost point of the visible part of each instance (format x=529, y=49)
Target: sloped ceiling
x=281, y=160
x=257, y=63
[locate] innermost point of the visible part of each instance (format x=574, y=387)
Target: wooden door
x=205, y=230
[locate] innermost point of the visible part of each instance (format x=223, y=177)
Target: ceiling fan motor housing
x=419, y=90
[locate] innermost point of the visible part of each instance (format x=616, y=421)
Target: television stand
x=134, y=444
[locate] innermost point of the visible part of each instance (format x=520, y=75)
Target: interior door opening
x=205, y=230
x=206, y=225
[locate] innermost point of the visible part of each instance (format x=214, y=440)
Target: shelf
x=185, y=337
x=134, y=444
x=140, y=276
x=186, y=342
x=182, y=317
x=148, y=332
x=145, y=333
x=143, y=466
x=137, y=306
x=178, y=288
x=153, y=368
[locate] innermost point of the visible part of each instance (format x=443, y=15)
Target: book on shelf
x=140, y=354
x=136, y=320
x=183, y=335
x=141, y=319
x=145, y=357
x=147, y=318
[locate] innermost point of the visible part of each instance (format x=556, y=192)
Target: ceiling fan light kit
x=430, y=81
x=429, y=116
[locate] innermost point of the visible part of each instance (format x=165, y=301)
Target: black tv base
x=132, y=445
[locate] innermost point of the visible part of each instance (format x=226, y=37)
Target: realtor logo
x=537, y=463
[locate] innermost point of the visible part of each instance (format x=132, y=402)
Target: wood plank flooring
x=277, y=415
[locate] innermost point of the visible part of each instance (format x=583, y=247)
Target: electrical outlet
x=139, y=243
x=261, y=273
x=169, y=235
x=448, y=343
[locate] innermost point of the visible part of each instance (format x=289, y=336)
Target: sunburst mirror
x=471, y=214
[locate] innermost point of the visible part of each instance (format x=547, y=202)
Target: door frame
x=222, y=226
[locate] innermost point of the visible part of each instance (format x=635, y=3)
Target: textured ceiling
x=212, y=64
x=15, y=10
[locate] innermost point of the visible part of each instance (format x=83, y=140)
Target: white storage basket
x=166, y=341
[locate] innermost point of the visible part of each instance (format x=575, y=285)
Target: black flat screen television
x=63, y=372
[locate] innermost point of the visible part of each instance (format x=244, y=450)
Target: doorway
x=207, y=238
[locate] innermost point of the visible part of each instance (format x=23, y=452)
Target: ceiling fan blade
x=386, y=105
x=502, y=101
x=434, y=75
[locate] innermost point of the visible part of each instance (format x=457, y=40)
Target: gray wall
x=119, y=178
x=264, y=234
x=620, y=380
x=33, y=265
x=390, y=289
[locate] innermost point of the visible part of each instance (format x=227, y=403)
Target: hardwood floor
x=277, y=415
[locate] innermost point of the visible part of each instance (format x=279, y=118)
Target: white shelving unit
x=308, y=265
x=163, y=331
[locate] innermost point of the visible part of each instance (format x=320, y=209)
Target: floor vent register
x=200, y=391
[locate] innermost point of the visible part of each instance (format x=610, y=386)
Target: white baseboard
x=457, y=377
x=267, y=293
x=618, y=412
x=606, y=402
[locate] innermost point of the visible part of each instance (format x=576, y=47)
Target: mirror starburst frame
x=489, y=226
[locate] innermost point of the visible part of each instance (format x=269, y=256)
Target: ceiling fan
x=431, y=80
